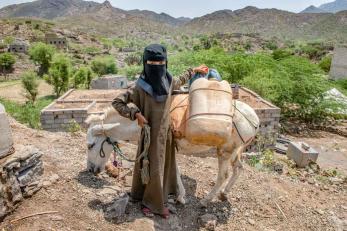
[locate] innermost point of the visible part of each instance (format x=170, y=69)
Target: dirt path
x=259, y=200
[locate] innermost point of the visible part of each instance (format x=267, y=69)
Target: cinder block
x=302, y=154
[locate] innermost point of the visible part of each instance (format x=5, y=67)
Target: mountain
x=313, y=9
x=163, y=17
x=93, y=17
x=52, y=9
x=332, y=7
x=47, y=9
x=272, y=23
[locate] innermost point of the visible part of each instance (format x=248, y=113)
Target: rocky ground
x=260, y=200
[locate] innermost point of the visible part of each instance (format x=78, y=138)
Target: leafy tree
x=82, y=77
x=7, y=61
x=325, y=64
x=59, y=73
x=132, y=71
x=30, y=85
x=103, y=65
x=42, y=55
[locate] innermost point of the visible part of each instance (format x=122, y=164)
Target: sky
x=196, y=8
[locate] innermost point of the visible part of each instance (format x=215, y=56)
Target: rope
x=144, y=155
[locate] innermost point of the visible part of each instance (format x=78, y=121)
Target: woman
x=152, y=97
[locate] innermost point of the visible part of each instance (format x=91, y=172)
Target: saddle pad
x=179, y=114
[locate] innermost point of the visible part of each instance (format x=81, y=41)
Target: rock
x=208, y=221
x=251, y=221
x=54, y=178
x=116, y=209
x=20, y=177
x=319, y=211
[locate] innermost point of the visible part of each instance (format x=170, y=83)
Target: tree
x=30, y=85
x=59, y=73
x=42, y=55
x=103, y=65
x=82, y=77
x=325, y=63
x=7, y=61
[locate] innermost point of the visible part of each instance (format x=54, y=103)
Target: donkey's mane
x=109, y=112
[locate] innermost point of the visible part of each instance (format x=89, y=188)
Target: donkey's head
x=102, y=132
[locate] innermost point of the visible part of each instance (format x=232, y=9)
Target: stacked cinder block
x=55, y=119
x=269, y=124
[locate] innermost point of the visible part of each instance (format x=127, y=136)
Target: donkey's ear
x=99, y=129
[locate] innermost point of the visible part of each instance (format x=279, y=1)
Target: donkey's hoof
x=203, y=203
x=222, y=196
x=181, y=200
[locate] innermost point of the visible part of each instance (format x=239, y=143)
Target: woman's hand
x=203, y=69
x=141, y=120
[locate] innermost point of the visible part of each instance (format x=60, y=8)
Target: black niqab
x=156, y=75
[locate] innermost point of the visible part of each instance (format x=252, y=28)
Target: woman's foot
x=147, y=212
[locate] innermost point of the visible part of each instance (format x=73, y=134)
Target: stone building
x=339, y=63
x=55, y=40
x=110, y=82
x=18, y=46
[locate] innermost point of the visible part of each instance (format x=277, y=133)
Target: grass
x=28, y=114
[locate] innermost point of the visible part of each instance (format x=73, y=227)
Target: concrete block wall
x=60, y=119
x=269, y=125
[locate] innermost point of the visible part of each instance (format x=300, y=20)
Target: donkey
x=111, y=125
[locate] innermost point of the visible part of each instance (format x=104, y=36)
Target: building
x=55, y=40
x=110, y=82
x=18, y=46
x=338, y=68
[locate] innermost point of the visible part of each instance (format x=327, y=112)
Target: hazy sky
x=194, y=8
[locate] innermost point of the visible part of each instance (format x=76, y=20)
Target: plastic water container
x=210, y=112
x=6, y=141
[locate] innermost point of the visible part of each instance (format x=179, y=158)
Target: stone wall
x=20, y=169
x=339, y=64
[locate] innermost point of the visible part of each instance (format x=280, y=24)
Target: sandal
x=147, y=212
x=166, y=213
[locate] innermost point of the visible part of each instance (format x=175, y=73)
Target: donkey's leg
x=223, y=162
x=237, y=169
x=181, y=190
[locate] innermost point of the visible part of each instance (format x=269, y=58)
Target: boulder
x=6, y=141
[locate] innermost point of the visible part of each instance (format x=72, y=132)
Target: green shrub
x=82, y=77
x=59, y=73
x=91, y=50
x=133, y=59
x=30, y=85
x=8, y=40
x=28, y=114
x=271, y=45
x=7, y=60
x=132, y=71
x=42, y=55
x=293, y=83
x=281, y=54
x=325, y=64
x=103, y=65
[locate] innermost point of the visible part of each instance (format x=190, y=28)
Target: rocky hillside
x=272, y=22
x=96, y=18
x=331, y=7
x=87, y=13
